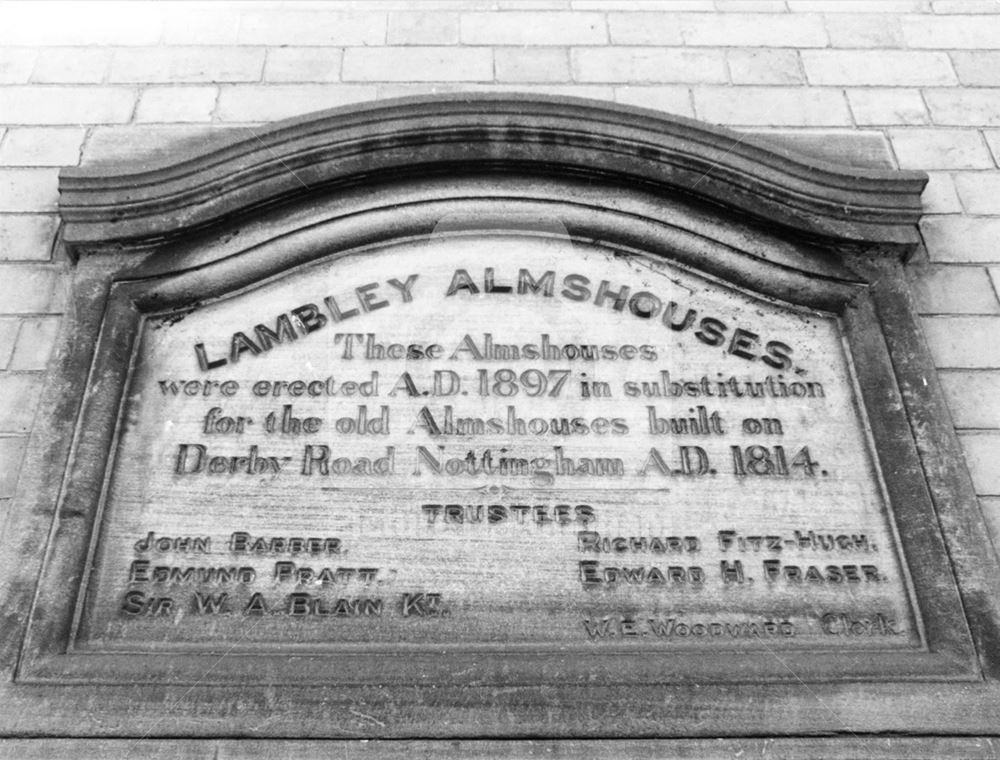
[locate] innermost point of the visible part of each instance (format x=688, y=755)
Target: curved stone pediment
x=556, y=138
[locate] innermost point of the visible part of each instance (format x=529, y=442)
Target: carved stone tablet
x=496, y=440
x=512, y=418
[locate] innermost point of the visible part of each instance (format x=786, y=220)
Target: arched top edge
x=147, y=202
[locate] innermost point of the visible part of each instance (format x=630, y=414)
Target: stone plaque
x=494, y=417
x=511, y=440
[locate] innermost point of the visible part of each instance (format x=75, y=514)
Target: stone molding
x=143, y=204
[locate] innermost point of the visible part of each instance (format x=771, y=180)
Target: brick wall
x=912, y=82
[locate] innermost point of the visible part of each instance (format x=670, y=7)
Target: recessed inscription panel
x=500, y=441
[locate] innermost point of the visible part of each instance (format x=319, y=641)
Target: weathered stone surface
x=519, y=455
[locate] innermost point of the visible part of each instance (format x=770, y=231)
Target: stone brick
x=151, y=143
x=960, y=107
x=995, y=277
x=596, y=92
x=71, y=65
x=940, y=196
x=751, y=6
x=644, y=29
x=942, y=32
x=176, y=104
x=962, y=239
x=753, y=30
x=532, y=64
x=642, y=5
x=11, y=453
x=638, y=65
x=28, y=189
x=27, y=237
x=866, y=6
x=840, y=146
x=972, y=397
x=762, y=106
x=864, y=30
x=675, y=100
x=964, y=342
x=426, y=5
x=19, y=394
x=980, y=67
x=990, y=506
x=42, y=146
x=188, y=64
x=16, y=65
x=531, y=5
x=66, y=105
x=200, y=26
x=294, y=27
x=925, y=148
x=41, y=24
x=982, y=452
x=26, y=289
x=9, y=328
x=878, y=67
x=264, y=103
x=416, y=64
x=406, y=89
x=993, y=141
x=950, y=289
x=34, y=343
x=423, y=29
x=979, y=191
x=965, y=6
x=763, y=66
x=310, y=64
x=872, y=106
x=533, y=28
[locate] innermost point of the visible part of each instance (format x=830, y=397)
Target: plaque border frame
x=50, y=646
